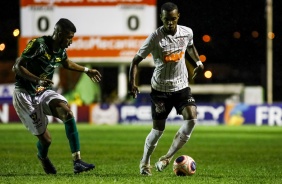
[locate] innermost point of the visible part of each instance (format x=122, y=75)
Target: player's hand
x=94, y=75
x=199, y=69
x=133, y=91
x=45, y=82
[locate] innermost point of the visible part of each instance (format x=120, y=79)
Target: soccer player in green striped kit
x=168, y=45
x=34, y=98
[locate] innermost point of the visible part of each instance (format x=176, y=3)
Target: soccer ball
x=184, y=165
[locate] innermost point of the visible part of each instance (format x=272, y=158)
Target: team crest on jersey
x=181, y=42
x=163, y=43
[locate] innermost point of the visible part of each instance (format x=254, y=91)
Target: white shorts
x=33, y=111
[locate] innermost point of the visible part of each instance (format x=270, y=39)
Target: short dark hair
x=169, y=6
x=66, y=25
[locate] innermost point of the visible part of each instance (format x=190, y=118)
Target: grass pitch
x=224, y=154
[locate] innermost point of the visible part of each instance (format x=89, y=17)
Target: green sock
x=42, y=150
x=72, y=135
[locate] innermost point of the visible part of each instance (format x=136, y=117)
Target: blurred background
x=232, y=38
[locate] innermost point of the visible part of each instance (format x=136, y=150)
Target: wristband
x=198, y=63
x=86, y=69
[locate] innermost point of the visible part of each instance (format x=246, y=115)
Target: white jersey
x=168, y=53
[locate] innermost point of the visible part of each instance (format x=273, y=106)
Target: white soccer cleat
x=162, y=163
x=145, y=169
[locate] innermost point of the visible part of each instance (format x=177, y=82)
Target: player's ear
x=59, y=34
x=56, y=30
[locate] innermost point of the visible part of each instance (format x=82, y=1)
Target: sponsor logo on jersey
x=47, y=55
x=58, y=60
x=29, y=45
x=174, y=57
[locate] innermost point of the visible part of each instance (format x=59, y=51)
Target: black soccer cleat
x=47, y=165
x=80, y=166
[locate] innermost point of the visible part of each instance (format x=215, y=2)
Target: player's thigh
x=30, y=112
x=159, y=124
x=56, y=105
x=189, y=112
x=60, y=109
x=185, y=103
x=160, y=105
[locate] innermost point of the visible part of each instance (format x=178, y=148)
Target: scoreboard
x=107, y=30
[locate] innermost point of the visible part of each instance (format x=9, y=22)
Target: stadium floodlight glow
x=2, y=46
x=16, y=32
x=236, y=34
x=255, y=34
x=271, y=35
x=206, y=38
x=203, y=58
x=208, y=74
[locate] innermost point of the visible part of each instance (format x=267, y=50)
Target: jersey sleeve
x=147, y=46
x=190, y=37
x=32, y=50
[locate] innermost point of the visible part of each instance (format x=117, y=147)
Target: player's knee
x=187, y=127
x=64, y=114
x=67, y=114
x=46, y=141
x=192, y=122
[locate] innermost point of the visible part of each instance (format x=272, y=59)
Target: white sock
x=181, y=137
x=76, y=155
x=150, y=145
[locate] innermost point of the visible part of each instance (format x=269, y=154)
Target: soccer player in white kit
x=34, y=98
x=169, y=83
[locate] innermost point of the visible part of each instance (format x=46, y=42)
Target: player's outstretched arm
x=93, y=74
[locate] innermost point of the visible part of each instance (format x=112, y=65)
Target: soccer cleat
x=47, y=165
x=80, y=166
x=162, y=163
x=145, y=169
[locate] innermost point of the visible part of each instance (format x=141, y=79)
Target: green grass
x=245, y=154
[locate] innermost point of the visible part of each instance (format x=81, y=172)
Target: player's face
x=170, y=20
x=66, y=39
